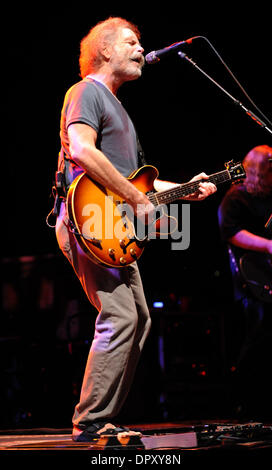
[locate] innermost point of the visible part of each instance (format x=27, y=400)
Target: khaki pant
x=121, y=327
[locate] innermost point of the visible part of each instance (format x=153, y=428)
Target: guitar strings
x=185, y=189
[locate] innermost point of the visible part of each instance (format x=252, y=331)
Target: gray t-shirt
x=92, y=103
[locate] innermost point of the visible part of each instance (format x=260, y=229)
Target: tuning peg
x=229, y=164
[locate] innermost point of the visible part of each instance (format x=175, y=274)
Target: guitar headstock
x=236, y=171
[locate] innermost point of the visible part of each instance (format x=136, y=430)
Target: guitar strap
x=140, y=152
x=59, y=188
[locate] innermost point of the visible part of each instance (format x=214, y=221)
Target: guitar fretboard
x=171, y=195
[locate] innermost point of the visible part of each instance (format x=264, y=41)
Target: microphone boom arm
x=252, y=115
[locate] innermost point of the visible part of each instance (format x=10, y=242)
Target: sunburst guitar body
x=105, y=226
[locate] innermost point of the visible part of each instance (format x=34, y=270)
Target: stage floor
x=210, y=439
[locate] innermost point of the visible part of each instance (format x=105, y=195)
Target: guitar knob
x=122, y=243
x=132, y=252
x=122, y=260
x=111, y=252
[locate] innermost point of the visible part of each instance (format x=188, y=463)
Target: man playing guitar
x=244, y=216
x=98, y=137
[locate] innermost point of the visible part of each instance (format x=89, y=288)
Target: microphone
x=154, y=56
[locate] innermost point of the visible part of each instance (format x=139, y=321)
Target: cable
x=234, y=78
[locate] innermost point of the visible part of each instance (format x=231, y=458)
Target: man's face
x=126, y=58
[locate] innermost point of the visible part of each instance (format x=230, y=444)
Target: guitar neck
x=171, y=195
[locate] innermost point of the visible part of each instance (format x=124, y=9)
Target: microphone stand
x=252, y=115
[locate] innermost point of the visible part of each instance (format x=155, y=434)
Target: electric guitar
x=256, y=270
x=105, y=226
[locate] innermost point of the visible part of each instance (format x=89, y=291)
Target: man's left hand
x=204, y=189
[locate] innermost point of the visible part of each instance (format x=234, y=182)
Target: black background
x=185, y=123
